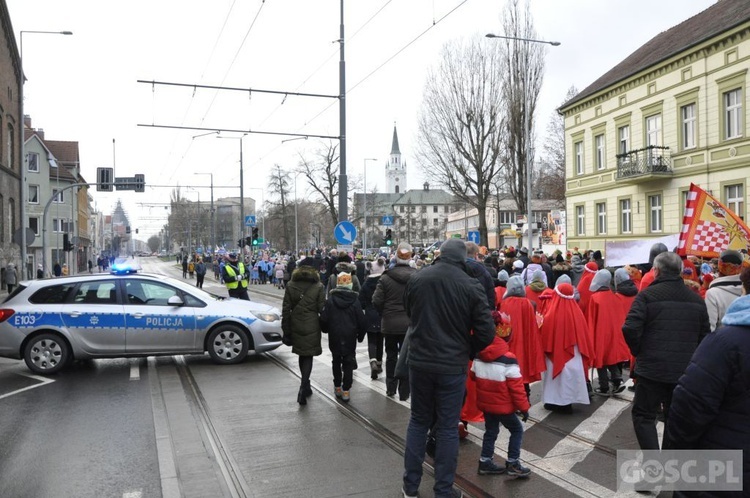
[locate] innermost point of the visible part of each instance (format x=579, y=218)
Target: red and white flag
x=709, y=227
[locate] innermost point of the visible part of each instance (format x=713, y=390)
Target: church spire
x=394, y=146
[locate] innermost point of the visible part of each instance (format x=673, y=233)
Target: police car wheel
x=228, y=344
x=46, y=354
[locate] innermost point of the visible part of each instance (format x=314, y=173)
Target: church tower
x=395, y=169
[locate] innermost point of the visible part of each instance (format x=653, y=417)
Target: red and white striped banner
x=709, y=227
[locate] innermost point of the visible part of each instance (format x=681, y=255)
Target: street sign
x=250, y=220
x=136, y=183
x=473, y=236
x=456, y=236
x=345, y=232
x=346, y=248
x=387, y=220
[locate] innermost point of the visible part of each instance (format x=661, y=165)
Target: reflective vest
x=230, y=271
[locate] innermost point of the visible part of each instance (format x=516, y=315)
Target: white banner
x=635, y=252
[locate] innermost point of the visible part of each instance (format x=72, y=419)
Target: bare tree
x=461, y=128
x=322, y=175
x=523, y=81
x=279, y=188
x=552, y=175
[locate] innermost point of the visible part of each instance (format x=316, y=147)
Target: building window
x=579, y=158
x=11, y=146
x=401, y=209
x=623, y=137
x=601, y=218
x=626, y=216
x=654, y=202
x=435, y=222
x=424, y=209
x=687, y=115
x=33, y=158
x=580, y=220
x=507, y=217
x=735, y=199
x=653, y=130
x=733, y=114
x=12, y=216
x=599, y=142
x=58, y=196
x=434, y=209
x=34, y=225
x=33, y=194
x=60, y=225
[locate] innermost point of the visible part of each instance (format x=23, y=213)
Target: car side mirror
x=175, y=301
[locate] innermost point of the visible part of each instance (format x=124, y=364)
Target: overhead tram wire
x=229, y=68
x=192, y=98
x=389, y=59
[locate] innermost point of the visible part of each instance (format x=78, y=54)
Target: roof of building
x=65, y=151
x=394, y=145
x=425, y=196
x=720, y=17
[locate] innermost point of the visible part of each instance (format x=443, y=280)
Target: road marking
x=132, y=494
x=42, y=381
x=135, y=369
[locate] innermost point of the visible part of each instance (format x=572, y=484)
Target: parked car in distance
x=50, y=322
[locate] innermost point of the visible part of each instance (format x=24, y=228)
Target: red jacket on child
x=498, y=380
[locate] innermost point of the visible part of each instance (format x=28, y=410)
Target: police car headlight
x=266, y=317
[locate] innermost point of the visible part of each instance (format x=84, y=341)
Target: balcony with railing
x=645, y=164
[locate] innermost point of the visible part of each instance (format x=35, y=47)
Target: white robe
x=569, y=386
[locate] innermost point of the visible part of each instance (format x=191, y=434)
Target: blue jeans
x=492, y=429
x=441, y=395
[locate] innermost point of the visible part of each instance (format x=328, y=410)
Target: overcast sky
x=84, y=87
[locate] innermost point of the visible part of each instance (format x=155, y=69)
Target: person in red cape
x=648, y=278
x=566, y=349
x=502, y=281
x=605, y=318
x=626, y=290
x=536, y=287
x=525, y=341
x=583, y=285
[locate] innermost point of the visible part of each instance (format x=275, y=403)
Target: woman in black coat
x=372, y=317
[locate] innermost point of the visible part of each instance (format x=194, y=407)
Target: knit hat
x=621, y=275
x=706, y=269
x=377, y=267
x=515, y=287
x=403, y=253
x=523, y=250
x=730, y=262
x=344, y=280
x=601, y=280
x=502, y=276
x=518, y=264
x=559, y=259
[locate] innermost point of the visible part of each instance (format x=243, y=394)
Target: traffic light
x=388, y=237
x=248, y=241
x=240, y=243
x=255, y=237
x=67, y=246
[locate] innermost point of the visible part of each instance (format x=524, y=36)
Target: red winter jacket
x=498, y=379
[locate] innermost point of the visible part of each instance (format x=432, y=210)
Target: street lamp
x=213, y=226
x=242, y=185
x=364, y=237
x=24, y=159
x=296, y=223
x=526, y=126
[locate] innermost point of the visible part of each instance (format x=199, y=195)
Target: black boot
x=307, y=390
x=301, y=399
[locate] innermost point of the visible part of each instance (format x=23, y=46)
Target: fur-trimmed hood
x=305, y=274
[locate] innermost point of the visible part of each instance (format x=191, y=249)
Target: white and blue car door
x=93, y=316
x=156, y=318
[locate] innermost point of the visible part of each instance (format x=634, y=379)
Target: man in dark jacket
x=665, y=324
x=710, y=405
x=444, y=305
x=388, y=300
x=480, y=272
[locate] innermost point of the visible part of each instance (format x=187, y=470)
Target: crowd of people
x=462, y=333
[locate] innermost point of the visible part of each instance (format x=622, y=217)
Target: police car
x=51, y=322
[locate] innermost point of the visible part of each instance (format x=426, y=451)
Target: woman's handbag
x=402, y=365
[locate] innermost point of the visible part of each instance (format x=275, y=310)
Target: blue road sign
x=473, y=236
x=345, y=232
x=387, y=221
x=250, y=220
